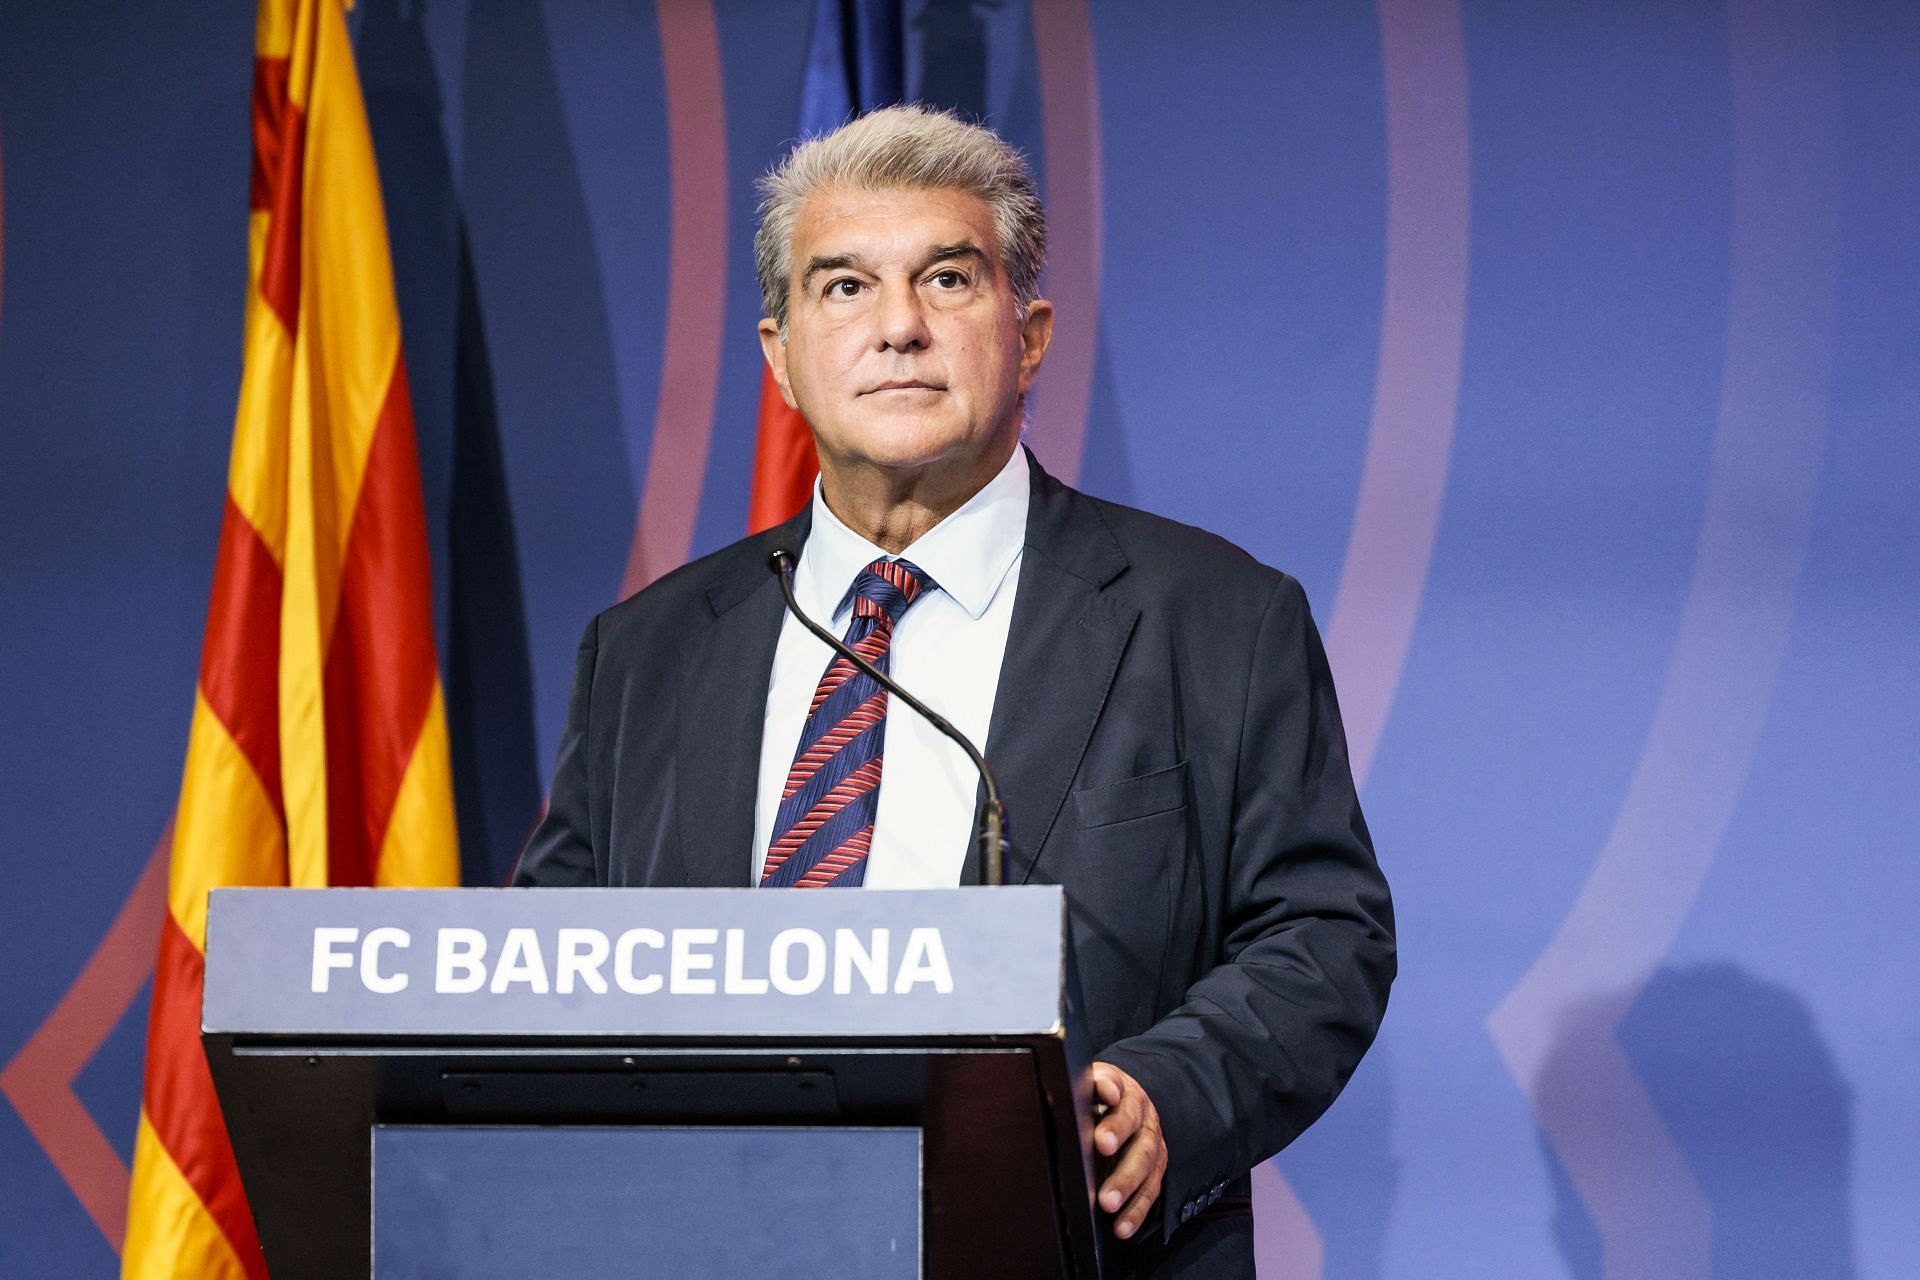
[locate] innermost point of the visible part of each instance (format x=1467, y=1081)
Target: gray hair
x=906, y=146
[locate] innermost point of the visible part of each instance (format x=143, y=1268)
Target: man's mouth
x=904, y=384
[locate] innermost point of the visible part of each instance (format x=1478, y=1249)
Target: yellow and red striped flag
x=318, y=753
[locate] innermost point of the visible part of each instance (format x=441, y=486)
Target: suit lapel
x=722, y=714
x=1063, y=648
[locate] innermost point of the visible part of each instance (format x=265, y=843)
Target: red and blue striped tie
x=825, y=823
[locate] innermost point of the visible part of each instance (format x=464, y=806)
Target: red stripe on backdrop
x=784, y=463
x=1070, y=134
x=39, y=1080
x=240, y=659
x=1409, y=442
x=279, y=151
x=180, y=1100
x=1416, y=385
x=696, y=305
x=380, y=660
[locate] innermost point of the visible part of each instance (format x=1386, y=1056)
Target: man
x=1157, y=703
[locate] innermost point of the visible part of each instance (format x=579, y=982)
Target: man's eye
x=843, y=288
x=948, y=279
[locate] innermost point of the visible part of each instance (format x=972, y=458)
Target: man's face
x=904, y=350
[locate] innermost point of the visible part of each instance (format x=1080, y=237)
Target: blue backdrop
x=1565, y=349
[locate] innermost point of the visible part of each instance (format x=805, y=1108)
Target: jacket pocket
x=1140, y=797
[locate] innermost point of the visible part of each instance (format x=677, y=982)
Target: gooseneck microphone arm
x=990, y=832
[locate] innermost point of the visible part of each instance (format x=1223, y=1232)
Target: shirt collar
x=968, y=553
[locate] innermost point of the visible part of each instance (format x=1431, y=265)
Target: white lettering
x=686, y=962
x=582, y=952
x=370, y=976
x=780, y=961
x=520, y=962
x=697, y=962
x=924, y=960
x=738, y=984
x=623, y=973
x=850, y=954
x=460, y=961
x=326, y=957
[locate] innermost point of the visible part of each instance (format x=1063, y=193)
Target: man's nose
x=902, y=319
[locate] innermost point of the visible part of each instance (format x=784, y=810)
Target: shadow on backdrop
x=538, y=285
x=1751, y=1094
x=482, y=620
x=496, y=774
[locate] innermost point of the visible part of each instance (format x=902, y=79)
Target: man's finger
x=1119, y=1124
x=1136, y=1166
x=1129, y=1131
x=1136, y=1211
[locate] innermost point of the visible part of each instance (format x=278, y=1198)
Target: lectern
x=673, y=1082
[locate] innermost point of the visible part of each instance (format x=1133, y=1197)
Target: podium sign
x=659, y=962
x=686, y=1011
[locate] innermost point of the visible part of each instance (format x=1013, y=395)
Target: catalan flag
x=318, y=751
x=856, y=62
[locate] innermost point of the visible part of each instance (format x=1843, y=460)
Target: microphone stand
x=990, y=827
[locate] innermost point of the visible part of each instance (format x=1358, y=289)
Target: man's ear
x=1035, y=335
x=776, y=353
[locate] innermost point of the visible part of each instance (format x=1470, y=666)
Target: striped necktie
x=825, y=823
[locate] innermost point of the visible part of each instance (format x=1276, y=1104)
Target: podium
x=675, y=1082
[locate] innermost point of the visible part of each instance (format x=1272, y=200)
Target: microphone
x=990, y=826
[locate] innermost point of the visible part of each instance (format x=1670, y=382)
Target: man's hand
x=1129, y=1128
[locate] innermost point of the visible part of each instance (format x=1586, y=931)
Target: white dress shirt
x=947, y=649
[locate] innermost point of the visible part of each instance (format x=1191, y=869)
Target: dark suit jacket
x=1170, y=751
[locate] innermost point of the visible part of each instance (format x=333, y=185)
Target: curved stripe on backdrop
x=696, y=305
x=1417, y=384
x=39, y=1079
x=1070, y=136
x=1653, y=1218
x=1409, y=440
